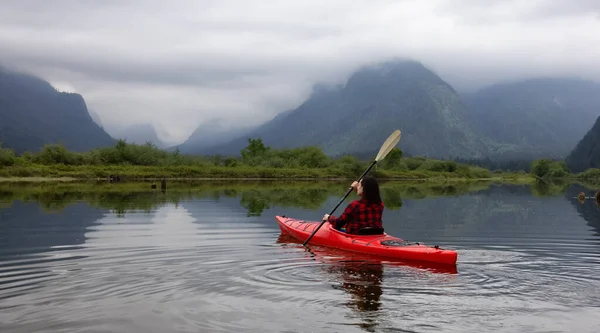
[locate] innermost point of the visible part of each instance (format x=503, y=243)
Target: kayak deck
x=380, y=245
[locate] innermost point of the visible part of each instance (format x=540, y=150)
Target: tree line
x=257, y=154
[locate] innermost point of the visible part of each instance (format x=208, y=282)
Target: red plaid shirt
x=357, y=215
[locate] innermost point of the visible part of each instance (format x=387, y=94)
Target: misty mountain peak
x=34, y=113
x=396, y=71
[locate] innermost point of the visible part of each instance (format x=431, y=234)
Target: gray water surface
x=213, y=260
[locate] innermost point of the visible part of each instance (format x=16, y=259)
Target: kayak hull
x=334, y=256
x=382, y=245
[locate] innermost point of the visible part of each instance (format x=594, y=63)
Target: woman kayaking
x=362, y=214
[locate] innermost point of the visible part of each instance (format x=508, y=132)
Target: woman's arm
x=341, y=221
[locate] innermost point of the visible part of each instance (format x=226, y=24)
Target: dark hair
x=370, y=189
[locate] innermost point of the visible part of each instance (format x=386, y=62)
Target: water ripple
x=174, y=272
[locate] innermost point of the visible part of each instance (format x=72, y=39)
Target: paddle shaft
x=339, y=203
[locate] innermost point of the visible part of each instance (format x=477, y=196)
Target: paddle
x=385, y=149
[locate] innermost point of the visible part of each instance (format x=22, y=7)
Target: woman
x=365, y=212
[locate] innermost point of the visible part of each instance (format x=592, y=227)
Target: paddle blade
x=388, y=145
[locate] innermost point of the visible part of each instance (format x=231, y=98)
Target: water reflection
x=256, y=196
x=28, y=227
x=588, y=209
x=37, y=246
x=362, y=281
x=209, y=257
x=361, y=276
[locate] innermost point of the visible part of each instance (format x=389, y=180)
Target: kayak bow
x=382, y=245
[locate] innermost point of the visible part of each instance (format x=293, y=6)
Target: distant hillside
x=33, y=113
x=521, y=120
x=535, y=118
x=209, y=134
x=96, y=118
x=138, y=134
x=358, y=116
x=587, y=152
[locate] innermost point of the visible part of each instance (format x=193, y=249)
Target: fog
x=176, y=64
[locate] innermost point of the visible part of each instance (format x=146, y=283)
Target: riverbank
x=71, y=173
x=254, y=194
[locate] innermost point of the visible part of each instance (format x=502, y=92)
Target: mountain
x=138, y=134
x=210, y=134
x=587, y=152
x=544, y=117
x=358, y=116
x=96, y=118
x=33, y=113
x=534, y=118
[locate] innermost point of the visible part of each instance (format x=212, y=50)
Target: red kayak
x=382, y=245
x=335, y=256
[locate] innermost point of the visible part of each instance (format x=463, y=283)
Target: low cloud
x=179, y=63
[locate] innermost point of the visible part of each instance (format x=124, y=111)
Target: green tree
x=350, y=165
x=121, y=146
x=558, y=169
x=7, y=156
x=541, y=167
x=312, y=157
x=545, y=168
x=255, y=148
x=57, y=154
x=393, y=158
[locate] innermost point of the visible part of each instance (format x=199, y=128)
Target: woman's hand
x=354, y=185
x=326, y=217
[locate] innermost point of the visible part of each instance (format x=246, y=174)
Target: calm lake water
x=209, y=257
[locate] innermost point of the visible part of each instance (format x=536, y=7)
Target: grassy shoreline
x=134, y=163
x=254, y=195
x=75, y=173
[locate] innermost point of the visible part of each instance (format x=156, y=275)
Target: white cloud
x=178, y=63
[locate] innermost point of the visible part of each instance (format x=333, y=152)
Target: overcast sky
x=178, y=63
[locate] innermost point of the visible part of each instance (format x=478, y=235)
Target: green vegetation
x=254, y=195
x=545, y=170
x=257, y=161
x=134, y=162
